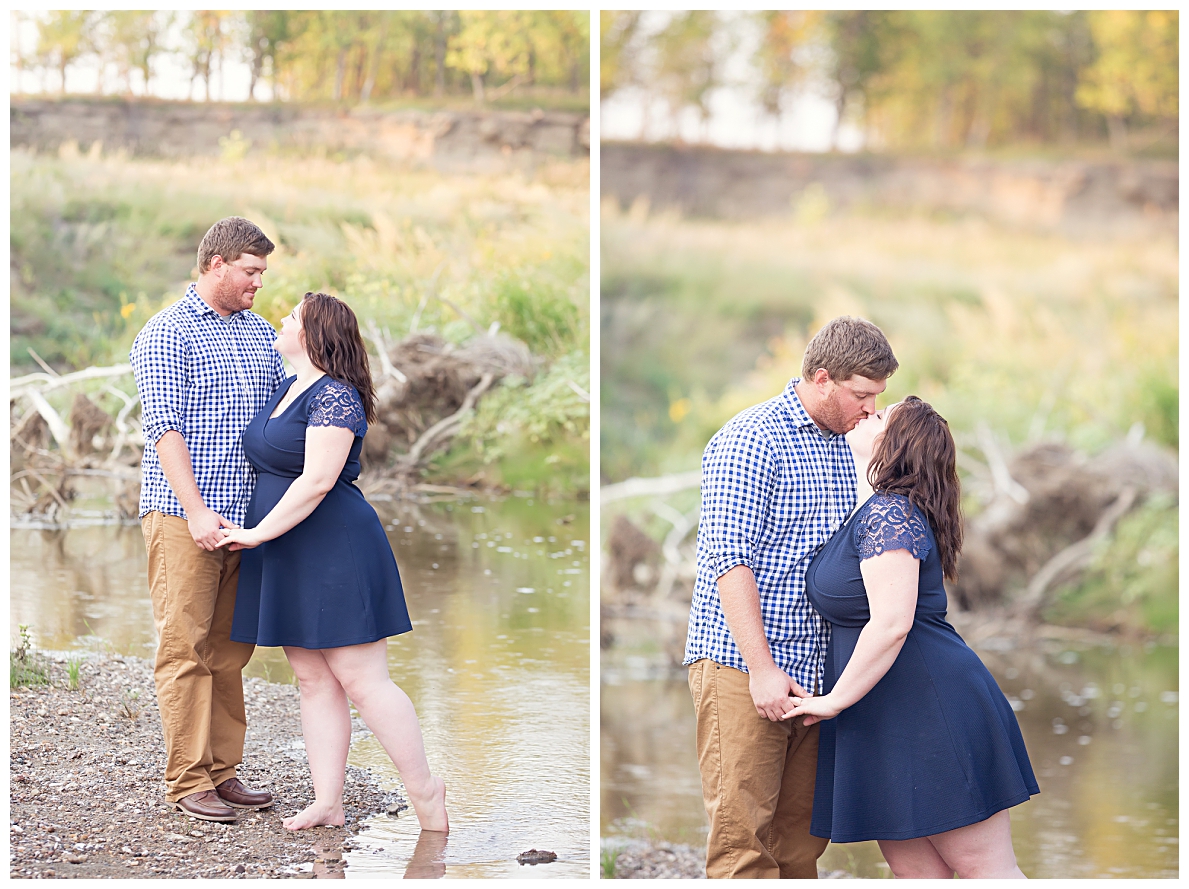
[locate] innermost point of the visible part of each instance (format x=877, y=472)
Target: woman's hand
x=240, y=538
x=813, y=709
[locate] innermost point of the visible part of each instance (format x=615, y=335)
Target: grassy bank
x=99, y=244
x=1034, y=334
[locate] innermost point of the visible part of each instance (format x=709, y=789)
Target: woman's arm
x=327, y=449
x=891, y=581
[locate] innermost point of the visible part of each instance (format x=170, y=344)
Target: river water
x=498, y=665
x=1100, y=723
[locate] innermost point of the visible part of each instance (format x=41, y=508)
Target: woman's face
x=863, y=438
x=291, y=341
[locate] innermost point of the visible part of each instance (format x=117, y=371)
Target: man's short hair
x=847, y=346
x=231, y=238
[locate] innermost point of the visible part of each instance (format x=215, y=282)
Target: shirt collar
x=201, y=308
x=799, y=415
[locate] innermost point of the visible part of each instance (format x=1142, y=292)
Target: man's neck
x=205, y=288
x=810, y=402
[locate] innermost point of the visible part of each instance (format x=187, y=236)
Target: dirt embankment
x=447, y=140
x=1074, y=196
x=87, y=794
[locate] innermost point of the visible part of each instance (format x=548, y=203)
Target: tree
x=64, y=37
x=618, y=44
x=491, y=43
x=207, y=38
x=688, y=64
x=131, y=40
x=1136, y=70
x=781, y=59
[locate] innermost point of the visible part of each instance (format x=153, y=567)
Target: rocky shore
x=639, y=859
x=87, y=794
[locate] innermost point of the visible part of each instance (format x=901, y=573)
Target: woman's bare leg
x=326, y=726
x=980, y=851
x=362, y=670
x=915, y=860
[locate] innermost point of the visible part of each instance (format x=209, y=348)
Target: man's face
x=238, y=281
x=845, y=404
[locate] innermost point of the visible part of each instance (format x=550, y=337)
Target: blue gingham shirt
x=206, y=377
x=774, y=488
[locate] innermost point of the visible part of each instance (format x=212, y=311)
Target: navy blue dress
x=935, y=744
x=331, y=580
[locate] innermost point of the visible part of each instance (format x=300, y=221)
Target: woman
x=318, y=576
x=920, y=750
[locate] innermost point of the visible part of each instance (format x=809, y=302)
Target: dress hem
x=367, y=640
x=917, y=833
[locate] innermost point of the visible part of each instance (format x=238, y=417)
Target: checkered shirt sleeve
x=774, y=488
x=206, y=378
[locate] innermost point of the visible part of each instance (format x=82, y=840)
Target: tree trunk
x=1118, y=132
x=340, y=73
x=439, y=58
x=477, y=87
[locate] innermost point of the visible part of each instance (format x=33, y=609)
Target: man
x=777, y=481
x=204, y=367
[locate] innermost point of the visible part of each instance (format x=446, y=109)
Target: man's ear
x=821, y=376
x=216, y=262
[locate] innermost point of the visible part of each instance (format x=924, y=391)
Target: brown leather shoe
x=205, y=806
x=235, y=794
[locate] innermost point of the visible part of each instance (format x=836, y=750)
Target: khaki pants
x=198, y=674
x=757, y=781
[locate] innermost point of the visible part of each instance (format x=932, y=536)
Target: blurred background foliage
x=1034, y=330
x=921, y=79
x=99, y=243
x=349, y=57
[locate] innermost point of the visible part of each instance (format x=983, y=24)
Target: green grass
x=26, y=667
x=99, y=244
x=1133, y=580
x=1031, y=332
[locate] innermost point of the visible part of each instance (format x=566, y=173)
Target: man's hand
x=205, y=525
x=770, y=690
x=813, y=709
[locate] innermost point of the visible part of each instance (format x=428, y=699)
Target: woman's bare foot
x=431, y=810
x=316, y=815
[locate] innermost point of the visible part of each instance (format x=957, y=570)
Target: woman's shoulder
x=336, y=403
x=890, y=521
x=331, y=388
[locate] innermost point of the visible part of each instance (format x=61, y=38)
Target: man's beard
x=831, y=416
x=227, y=297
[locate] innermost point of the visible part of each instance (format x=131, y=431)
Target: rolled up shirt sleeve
x=738, y=472
x=159, y=359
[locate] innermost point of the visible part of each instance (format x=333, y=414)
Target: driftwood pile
x=426, y=387
x=1044, y=512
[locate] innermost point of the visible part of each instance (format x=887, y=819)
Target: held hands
x=206, y=527
x=813, y=709
x=770, y=690
x=240, y=538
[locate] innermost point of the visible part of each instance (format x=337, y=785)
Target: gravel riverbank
x=638, y=859
x=87, y=794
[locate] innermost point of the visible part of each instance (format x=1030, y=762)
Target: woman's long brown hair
x=916, y=457
x=335, y=346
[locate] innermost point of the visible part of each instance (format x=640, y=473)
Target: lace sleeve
x=891, y=522
x=338, y=405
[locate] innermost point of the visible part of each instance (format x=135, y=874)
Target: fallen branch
x=651, y=487
x=1075, y=556
x=445, y=427
x=381, y=341
x=45, y=382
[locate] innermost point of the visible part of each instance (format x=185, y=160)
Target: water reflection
x=1101, y=725
x=498, y=665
